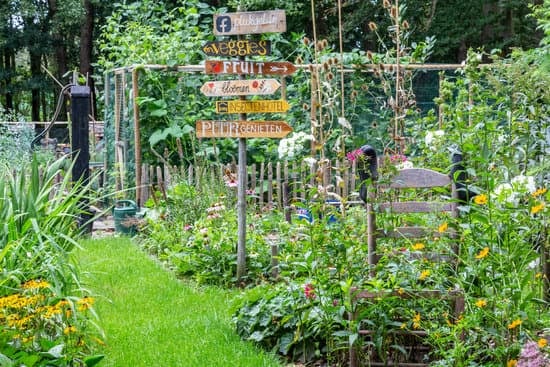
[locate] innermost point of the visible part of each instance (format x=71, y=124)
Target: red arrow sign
x=248, y=67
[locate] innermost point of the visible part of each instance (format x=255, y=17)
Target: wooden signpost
x=257, y=106
x=248, y=67
x=233, y=48
x=242, y=23
x=241, y=129
x=240, y=87
x=251, y=22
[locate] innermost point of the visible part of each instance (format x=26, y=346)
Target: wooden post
x=241, y=197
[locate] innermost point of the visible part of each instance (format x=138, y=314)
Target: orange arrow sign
x=240, y=87
x=241, y=129
x=248, y=67
x=259, y=106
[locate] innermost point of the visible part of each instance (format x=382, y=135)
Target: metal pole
x=80, y=110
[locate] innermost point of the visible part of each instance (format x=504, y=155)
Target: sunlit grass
x=151, y=318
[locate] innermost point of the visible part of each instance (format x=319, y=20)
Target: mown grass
x=150, y=318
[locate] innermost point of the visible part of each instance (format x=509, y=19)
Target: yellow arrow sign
x=241, y=129
x=240, y=87
x=262, y=106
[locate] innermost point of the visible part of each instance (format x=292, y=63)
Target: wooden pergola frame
x=134, y=70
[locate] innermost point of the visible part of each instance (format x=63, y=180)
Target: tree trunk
x=35, y=59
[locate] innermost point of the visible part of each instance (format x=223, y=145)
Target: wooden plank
x=232, y=48
x=239, y=67
x=270, y=183
x=241, y=129
x=261, y=184
x=417, y=207
x=246, y=87
x=251, y=22
x=419, y=178
x=259, y=106
x=279, y=185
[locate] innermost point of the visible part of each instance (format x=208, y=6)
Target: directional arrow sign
x=240, y=87
x=248, y=67
x=232, y=48
x=263, y=106
x=249, y=22
x=241, y=129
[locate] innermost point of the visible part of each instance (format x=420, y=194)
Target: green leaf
x=5, y=361
x=93, y=360
x=55, y=352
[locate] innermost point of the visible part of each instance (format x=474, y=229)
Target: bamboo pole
x=137, y=138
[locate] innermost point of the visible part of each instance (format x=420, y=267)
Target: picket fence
x=269, y=184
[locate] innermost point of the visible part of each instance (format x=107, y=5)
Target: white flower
x=434, y=138
x=505, y=194
x=310, y=161
x=524, y=184
x=405, y=165
x=292, y=146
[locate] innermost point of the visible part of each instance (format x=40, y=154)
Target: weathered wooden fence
x=268, y=184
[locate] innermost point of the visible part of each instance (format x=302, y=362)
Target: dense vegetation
x=497, y=117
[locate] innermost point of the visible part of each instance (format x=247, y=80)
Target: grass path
x=152, y=319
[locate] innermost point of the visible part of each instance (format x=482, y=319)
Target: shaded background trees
x=42, y=37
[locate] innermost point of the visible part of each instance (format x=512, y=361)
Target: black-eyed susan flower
x=514, y=324
x=424, y=274
x=418, y=246
x=481, y=303
x=481, y=199
x=416, y=321
x=483, y=253
x=537, y=208
x=539, y=192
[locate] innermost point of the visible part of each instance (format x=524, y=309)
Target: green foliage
x=45, y=312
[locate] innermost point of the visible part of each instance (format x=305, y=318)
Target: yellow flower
x=514, y=324
x=424, y=274
x=418, y=246
x=542, y=342
x=537, y=208
x=416, y=321
x=85, y=303
x=481, y=199
x=481, y=303
x=443, y=227
x=483, y=253
x=511, y=363
x=539, y=192
x=35, y=284
x=69, y=329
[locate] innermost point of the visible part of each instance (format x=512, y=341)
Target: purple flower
x=532, y=356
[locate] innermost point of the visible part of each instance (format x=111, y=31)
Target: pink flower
x=398, y=158
x=231, y=183
x=187, y=227
x=309, y=291
x=354, y=154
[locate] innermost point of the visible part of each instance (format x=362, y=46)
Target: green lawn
x=150, y=318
